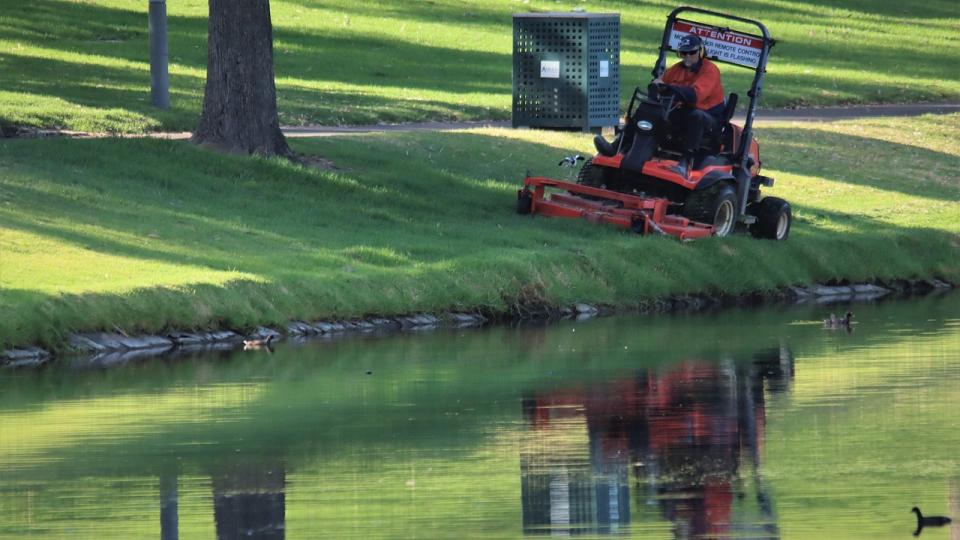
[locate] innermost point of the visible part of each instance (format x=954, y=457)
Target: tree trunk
x=240, y=99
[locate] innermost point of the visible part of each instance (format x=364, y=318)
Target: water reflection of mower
x=686, y=439
x=630, y=182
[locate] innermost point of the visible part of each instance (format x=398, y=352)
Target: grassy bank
x=85, y=65
x=151, y=234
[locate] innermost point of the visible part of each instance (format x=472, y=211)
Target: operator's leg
x=691, y=125
x=695, y=123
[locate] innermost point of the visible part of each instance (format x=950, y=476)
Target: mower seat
x=730, y=108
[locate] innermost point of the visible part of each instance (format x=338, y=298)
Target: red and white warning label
x=731, y=47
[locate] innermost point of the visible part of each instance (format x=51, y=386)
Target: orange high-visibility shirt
x=705, y=82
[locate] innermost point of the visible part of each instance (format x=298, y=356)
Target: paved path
x=829, y=114
x=821, y=114
x=324, y=131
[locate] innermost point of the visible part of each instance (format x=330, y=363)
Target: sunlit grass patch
x=37, y=262
x=897, y=171
x=24, y=109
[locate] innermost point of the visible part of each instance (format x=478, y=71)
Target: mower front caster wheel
x=524, y=202
x=773, y=219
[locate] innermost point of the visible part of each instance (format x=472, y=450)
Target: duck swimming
x=835, y=322
x=928, y=521
x=258, y=343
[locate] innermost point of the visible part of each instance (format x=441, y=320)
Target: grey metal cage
x=566, y=70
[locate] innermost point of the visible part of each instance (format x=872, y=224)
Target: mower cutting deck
x=643, y=215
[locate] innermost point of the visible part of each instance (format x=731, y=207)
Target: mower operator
x=696, y=81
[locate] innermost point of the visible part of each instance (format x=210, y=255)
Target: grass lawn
x=84, y=65
x=154, y=234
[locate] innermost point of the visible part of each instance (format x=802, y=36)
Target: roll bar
x=756, y=87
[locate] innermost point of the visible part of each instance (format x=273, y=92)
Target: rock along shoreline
x=115, y=348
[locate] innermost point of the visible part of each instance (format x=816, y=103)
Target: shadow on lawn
x=369, y=63
x=426, y=12
x=100, y=86
x=347, y=58
x=862, y=161
x=932, y=9
x=110, y=87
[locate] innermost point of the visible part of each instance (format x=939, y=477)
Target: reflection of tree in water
x=248, y=500
x=169, y=520
x=683, y=434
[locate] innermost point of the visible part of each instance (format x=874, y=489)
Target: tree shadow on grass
x=862, y=161
x=108, y=88
x=454, y=13
x=303, y=107
x=348, y=58
x=390, y=67
x=932, y=9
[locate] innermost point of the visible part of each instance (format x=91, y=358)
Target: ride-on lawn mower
x=633, y=182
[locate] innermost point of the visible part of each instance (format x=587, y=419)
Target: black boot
x=607, y=148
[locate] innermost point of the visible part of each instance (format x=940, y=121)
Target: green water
x=745, y=423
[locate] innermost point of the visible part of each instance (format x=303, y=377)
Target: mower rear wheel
x=716, y=206
x=773, y=219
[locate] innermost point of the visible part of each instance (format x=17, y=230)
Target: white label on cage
x=604, y=68
x=549, y=69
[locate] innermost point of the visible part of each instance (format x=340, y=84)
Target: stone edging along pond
x=111, y=348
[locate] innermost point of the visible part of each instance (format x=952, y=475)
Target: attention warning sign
x=731, y=47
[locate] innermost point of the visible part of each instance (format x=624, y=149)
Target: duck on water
x=928, y=521
x=258, y=343
x=836, y=323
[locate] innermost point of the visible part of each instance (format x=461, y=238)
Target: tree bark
x=240, y=100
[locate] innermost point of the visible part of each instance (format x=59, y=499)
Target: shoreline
x=116, y=348
x=423, y=226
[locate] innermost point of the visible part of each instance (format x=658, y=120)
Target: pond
x=742, y=423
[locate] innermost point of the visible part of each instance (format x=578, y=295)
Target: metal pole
x=159, y=76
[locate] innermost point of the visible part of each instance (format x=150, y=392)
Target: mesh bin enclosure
x=566, y=70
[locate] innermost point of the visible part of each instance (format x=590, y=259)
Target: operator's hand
x=660, y=86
